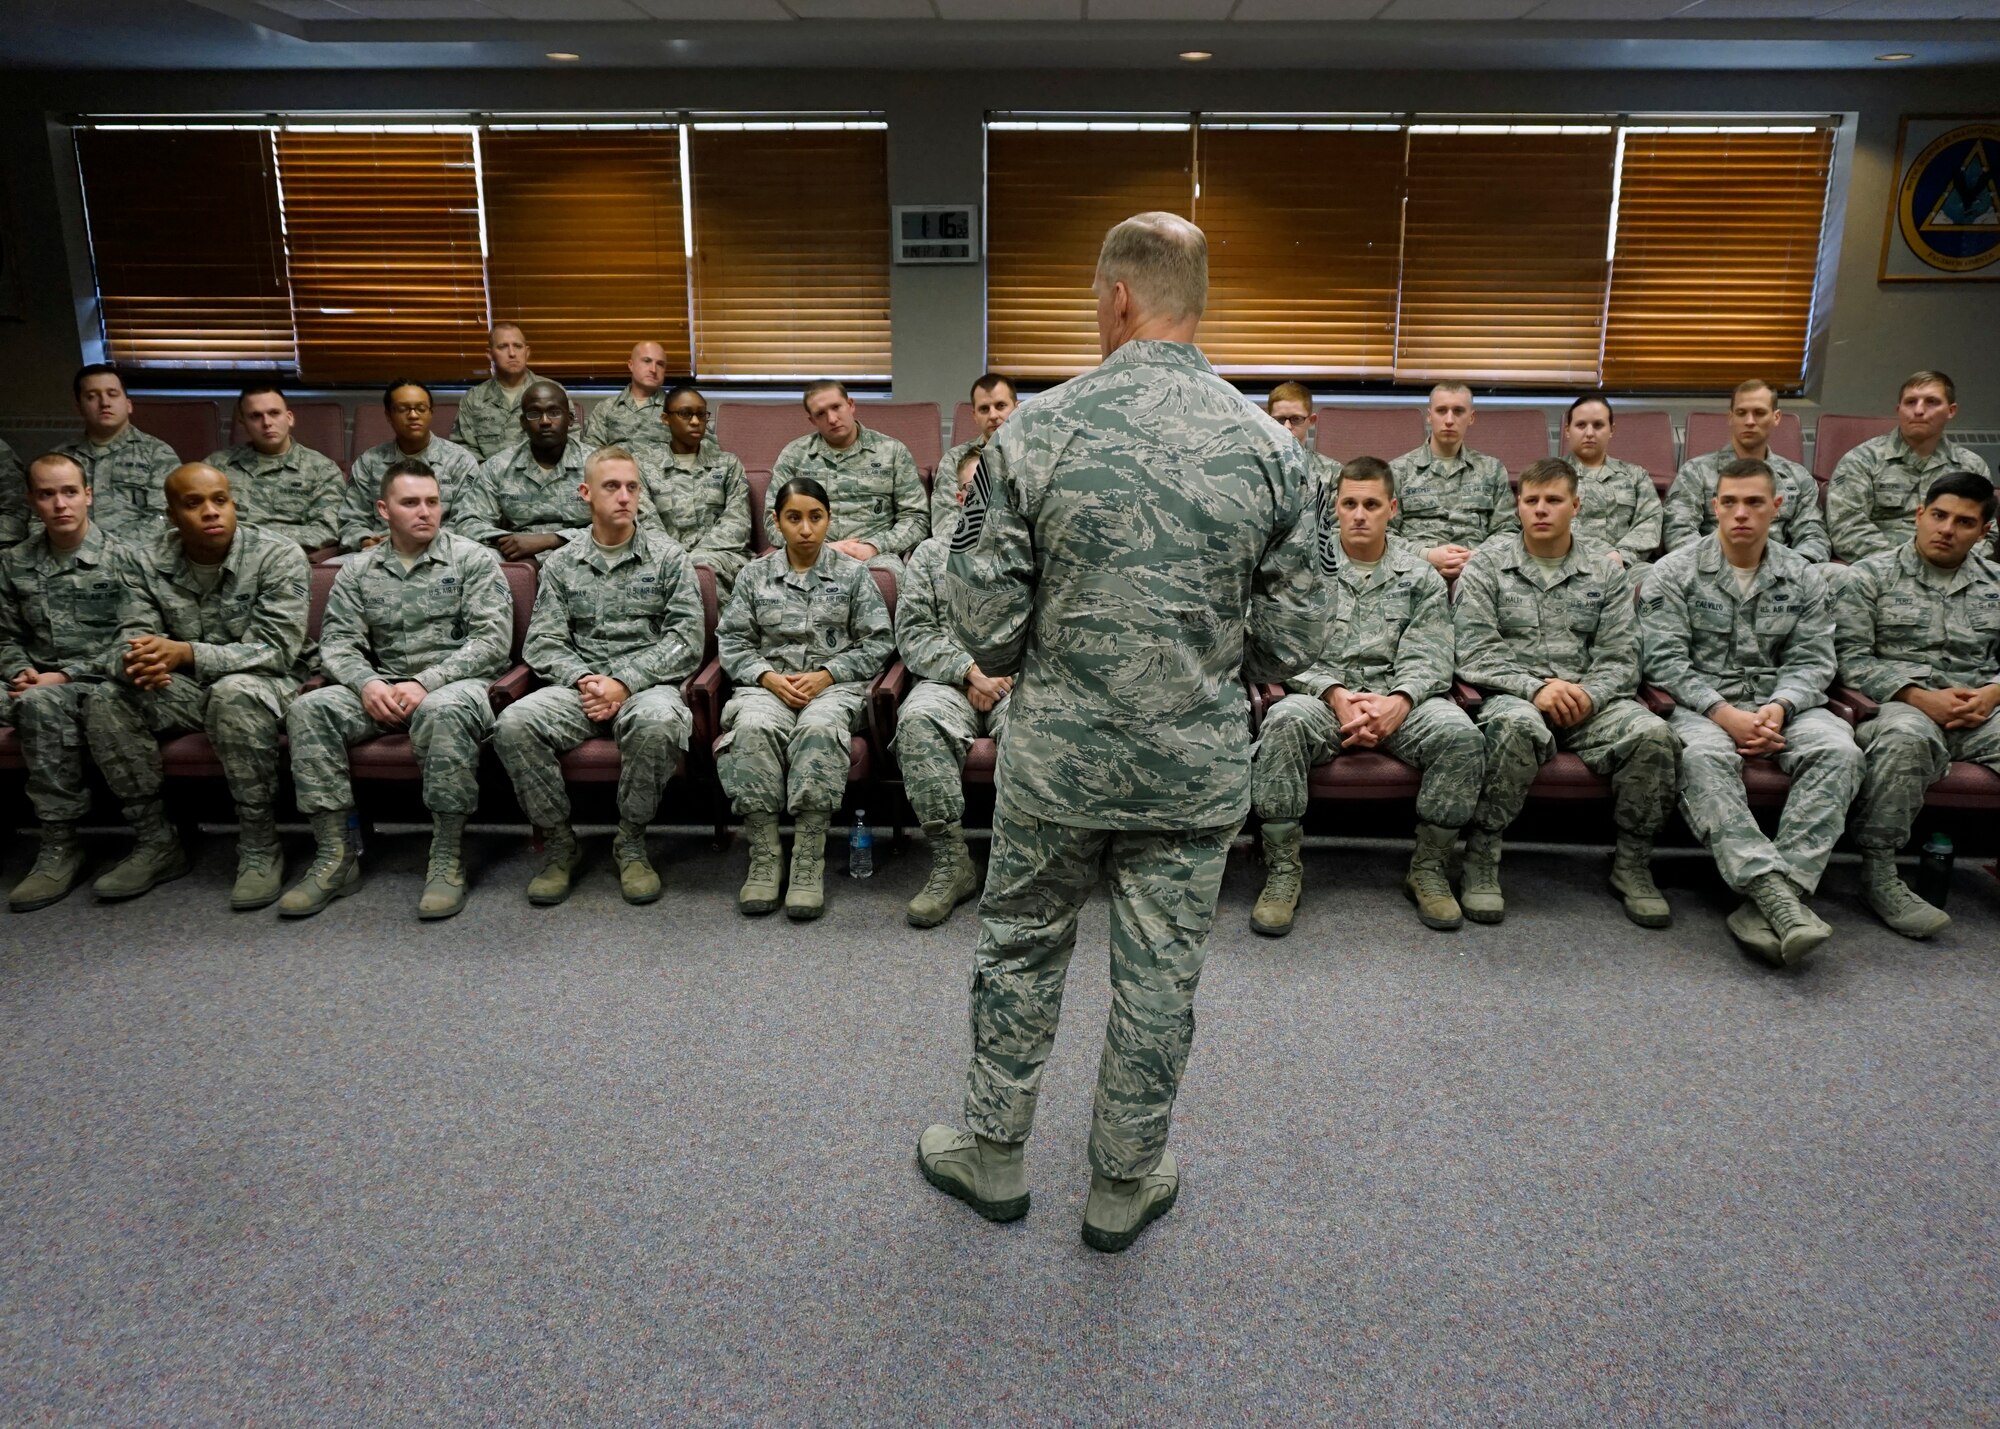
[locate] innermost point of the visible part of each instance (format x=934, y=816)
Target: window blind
x=1304, y=250
x=791, y=251
x=387, y=271
x=188, y=245
x=1051, y=194
x=1718, y=244
x=1504, y=256
x=585, y=244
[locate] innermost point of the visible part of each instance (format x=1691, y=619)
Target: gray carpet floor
x=610, y=1164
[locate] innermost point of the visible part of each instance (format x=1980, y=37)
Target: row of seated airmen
x=110, y=637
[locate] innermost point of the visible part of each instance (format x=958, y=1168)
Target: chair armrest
x=320, y=555
x=885, y=693
x=1656, y=700
x=1467, y=697
x=1851, y=705
x=317, y=682
x=703, y=692
x=510, y=687
x=1262, y=696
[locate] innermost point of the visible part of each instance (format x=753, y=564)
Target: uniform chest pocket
x=1777, y=620
x=1904, y=612
x=95, y=603
x=1613, y=513
x=1984, y=615
x=1421, y=499
x=1712, y=616
x=1383, y=617
x=1895, y=492
x=1519, y=613
x=1582, y=612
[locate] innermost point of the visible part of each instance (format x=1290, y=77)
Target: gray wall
x=1876, y=332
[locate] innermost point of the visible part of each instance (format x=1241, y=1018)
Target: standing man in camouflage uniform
x=212, y=636
x=1878, y=486
x=59, y=602
x=1379, y=683
x=1136, y=542
x=1291, y=407
x=879, y=511
x=1918, y=631
x=13, y=498
x=282, y=488
x=1621, y=506
x=617, y=628
x=1753, y=417
x=993, y=402
x=633, y=418
x=408, y=403
x=953, y=704
x=127, y=468
x=1739, y=630
x=489, y=415
x=415, y=631
x=524, y=501
x=1545, y=629
x=698, y=491
x=1449, y=497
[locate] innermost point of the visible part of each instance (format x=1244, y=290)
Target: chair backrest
x=1345, y=433
x=964, y=423
x=760, y=484
x=1519, y=436
x=520, y=578
x=1646, y=438
x=757, y=431
x=1709, y=432
x=914, y=424
x=711, y=611
x=444, y=416
x=371, y=426
x=321, y=424
x=1837, y=435
x=192, y=426
x=321, y=586
x=885, y=581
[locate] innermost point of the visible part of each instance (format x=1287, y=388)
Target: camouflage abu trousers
x=935, y=729
x=651, y=730
x=48, y=719
x=243, y=716
x=1300, y=733
x=1819, y=758
x=1906, y=753
x=1624, y=742
x=446, y=731
x=1163, y=893
x=775, y=759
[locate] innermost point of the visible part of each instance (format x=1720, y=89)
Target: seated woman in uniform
x=804, y=633
x=699, y=490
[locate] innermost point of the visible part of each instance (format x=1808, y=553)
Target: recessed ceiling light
x=1196, y=56
x=1898, y=55
x=563, y=55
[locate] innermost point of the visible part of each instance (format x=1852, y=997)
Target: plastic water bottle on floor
x=860, y=847
x=1934, y=870
x=354, y=832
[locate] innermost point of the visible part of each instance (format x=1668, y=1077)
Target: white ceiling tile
x=1158, y=9
x=1609, y=11
x=1457, y=10
x=1309, y=10
x=420, y=9
x=713, y=9
x=1757, y=9
x=1011, y=9
x=567, y=9
x=862, y=9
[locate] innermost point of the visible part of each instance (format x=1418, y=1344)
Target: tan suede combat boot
x=58, y=865
x=759, y=893
x=1479, y=879
x=444, y=875
x=637, y=879
x=1284, y=872
x=989, y=1176
x=1632, y=880
x=1118, y=1210
x=335, y=871
x=1894, y=902
x=805, y=892
x=1427, y=883
x=157, y=857
x=952, y=880
x=260, y=861
x=560, y=856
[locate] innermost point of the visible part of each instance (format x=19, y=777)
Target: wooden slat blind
x=586, y=247
x=1304, y=250
x=791, y=261
x=387, y=274
x=1718, y=243
x=170, y=295
x=1503, y=257
x=1051, y=196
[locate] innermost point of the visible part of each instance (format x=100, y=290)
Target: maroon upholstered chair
x=1709, y=432
x=1835, y=436
x=757, y=431
x=1646, y=438
x=1345, y=433
x=192, y=426
x=1519, y=436
x=914, y=424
